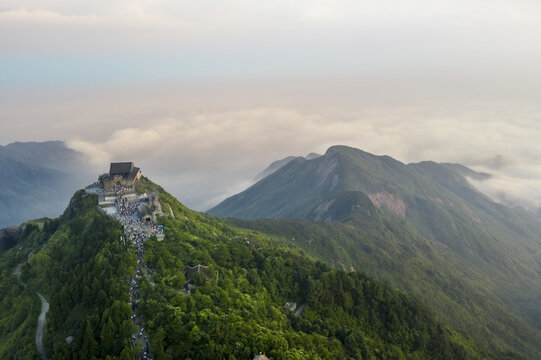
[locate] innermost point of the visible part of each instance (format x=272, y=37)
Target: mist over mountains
x=37, y=179
x=422, y=227
x=276, y=165
x=418, y=228
x=337, y=180
x=342, y=168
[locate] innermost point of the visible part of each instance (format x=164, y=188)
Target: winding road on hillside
x=42, y=320
x=17, y=273
x=41, y=325
x=299, y=310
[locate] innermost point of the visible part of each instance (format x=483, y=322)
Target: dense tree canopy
x=232, y=310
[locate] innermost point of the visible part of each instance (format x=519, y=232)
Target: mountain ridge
x=276, y=165
x=235, y=311
x=461, y=231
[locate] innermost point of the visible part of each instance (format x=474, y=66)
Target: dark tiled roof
x=121, y=168
x=133, y=173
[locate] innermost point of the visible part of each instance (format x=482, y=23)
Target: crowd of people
x=137, y=232
x=118, y=188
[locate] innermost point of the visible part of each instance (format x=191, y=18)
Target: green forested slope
x=19, y=310
x=389, y=251
x=80, y=265
x=82, y=270
x=423, y=222
x=238, y=309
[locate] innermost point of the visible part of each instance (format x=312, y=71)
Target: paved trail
x=17, y=272
x=41, y=326
x=299, y=310
x=137, y=232
x=41, y=318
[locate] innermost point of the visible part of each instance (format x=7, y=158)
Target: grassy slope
x=82, y=270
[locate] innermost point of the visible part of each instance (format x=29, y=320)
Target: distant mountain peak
x=339, y=148
x=312, y=156
x=274, y=166
x=278, y=164
x=390, y=184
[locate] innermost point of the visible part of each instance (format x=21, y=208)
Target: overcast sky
x=205, y=94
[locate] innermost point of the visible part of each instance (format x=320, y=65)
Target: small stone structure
x=149, y=208
x=191, y=270
x=291, y=306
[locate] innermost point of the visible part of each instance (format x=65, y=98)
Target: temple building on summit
x=121, y=179
x=121, y=174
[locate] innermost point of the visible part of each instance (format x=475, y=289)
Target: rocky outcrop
x=389, y=202
x=322, y=209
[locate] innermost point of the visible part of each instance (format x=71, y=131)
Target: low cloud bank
x=203, y=158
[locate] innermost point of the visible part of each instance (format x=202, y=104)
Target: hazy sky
x=204, y=94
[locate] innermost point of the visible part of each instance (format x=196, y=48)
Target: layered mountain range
x=37, y=179
x=420, y=227
x=346, y=255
